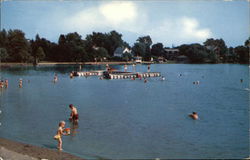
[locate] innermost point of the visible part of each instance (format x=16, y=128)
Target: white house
x=119, y=51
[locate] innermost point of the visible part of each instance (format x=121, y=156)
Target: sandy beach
x=11, y=150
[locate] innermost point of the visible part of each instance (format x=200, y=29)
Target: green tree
x=18, y=47
x=3, y=54
x=139, y=49
x=157, y=49
x=147, y=42
x=217, y=46
x=243, y=54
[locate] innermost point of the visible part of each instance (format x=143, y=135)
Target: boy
x=73, y=115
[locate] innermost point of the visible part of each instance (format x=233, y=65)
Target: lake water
x=131, y=119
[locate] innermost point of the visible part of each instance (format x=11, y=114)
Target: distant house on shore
x=119, y=51
x=171, y=53
x=182, y=59
x=161, y=59
x=138, y=59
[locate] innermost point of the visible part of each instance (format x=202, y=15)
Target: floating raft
x=118, y=74
x=90, y=73
x=129, y=75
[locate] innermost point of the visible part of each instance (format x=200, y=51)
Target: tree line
x=15, y=47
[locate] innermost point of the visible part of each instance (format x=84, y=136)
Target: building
x=138, y=59
x=171, y=53
x=119, y=51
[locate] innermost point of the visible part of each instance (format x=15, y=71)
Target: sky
x=171, y=22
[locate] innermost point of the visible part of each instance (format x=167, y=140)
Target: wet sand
x=11, y=150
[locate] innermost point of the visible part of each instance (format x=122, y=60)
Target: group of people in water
x=4, y=83
x=62, y=131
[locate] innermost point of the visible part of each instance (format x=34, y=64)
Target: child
x=58, y=136
x=73, y=115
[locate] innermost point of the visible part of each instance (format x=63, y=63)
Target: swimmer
x=125, y=68
x=59, y=134
x=148, y=67
x=71, y=75
x=55, y=78
x=20, y=83
x=194, y=115
x=6, y=83
x=241, y=80
x=145, y=80
x=73, y=115
x=162, y=78
x=1, y=84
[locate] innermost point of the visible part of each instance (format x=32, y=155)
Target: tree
x=139, y=49
x=157, y=49
x=242, y=53
x=216, y=45
x=3, y=54
x=247, y=42
x=18, y=47
x=147, y=42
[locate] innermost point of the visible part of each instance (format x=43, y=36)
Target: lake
x=131, y=119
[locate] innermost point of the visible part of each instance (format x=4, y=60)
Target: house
x=182, y=59
x=171, y=53
x=138, y=59
x=161, y=59
x=119, y=51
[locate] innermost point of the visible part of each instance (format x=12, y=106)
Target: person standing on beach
x=73, y=115
x=59, y=134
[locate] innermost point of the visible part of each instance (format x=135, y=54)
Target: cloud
x=180, y=30
x=116, y=15
x=131, y=20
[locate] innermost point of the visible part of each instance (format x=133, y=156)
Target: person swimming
x=6, y=83
x=73, y=115
x=20, y=83
x=55, y=78
x=1, y=84
x=194, y=116
x=59, y=134
x=145, y=80
x=162, y=78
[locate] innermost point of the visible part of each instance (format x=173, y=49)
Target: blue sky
x=169, y=22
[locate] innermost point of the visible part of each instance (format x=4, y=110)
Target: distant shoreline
x=76, y=63
x=17, y=151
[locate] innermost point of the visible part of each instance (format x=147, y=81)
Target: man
x=73, y=115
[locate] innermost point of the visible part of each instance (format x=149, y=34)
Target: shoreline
x=78, y=63
x=14, y=150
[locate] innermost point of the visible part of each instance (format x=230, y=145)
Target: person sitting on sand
x=194, y=115
x=73, y=115
x=59, y=134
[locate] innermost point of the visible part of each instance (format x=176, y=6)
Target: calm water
x=132, y=119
